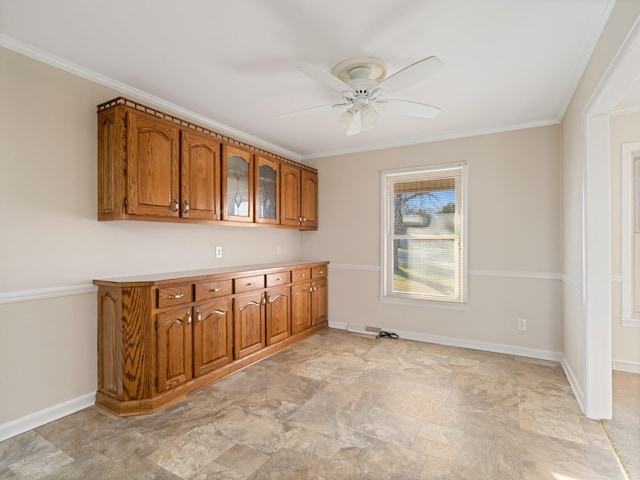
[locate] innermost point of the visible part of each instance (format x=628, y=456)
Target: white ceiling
x=231, y=64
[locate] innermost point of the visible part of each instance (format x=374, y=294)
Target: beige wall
x=515, y=239
x=625, y=339
x=51, y=239
x=621, y=20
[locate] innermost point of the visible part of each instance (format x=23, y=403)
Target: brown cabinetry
x=159, y=338
x=299, y=197
x=150, y=168
x=154, y=166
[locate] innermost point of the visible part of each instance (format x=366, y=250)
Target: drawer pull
x=302, y=275
x=249, y=284
x=321, y=271
x=176, y=296
x=217, y=289
x=278, y=279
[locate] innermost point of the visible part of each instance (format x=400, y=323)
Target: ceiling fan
x=362, y=83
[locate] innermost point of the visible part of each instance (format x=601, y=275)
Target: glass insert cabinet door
x=267, y=190
x=238, y=184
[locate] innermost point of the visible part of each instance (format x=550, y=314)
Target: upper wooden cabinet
x=200, y=174
x=237, y=184
x=153, y=166
x=299, y=197
x=267, y=197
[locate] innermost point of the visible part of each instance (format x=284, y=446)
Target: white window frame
x=387, y=295
x=630, y=217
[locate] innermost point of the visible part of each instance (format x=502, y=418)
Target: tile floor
x=340, y=406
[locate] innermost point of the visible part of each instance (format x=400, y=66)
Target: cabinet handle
x=176, y=206
x=278, y=279
x=304, y=219
x=217, y=289
x=302, y=275
x=176, y=296
x=299, y=219
x=199, y=317
x=321, y=272
x=189, y=318
x=264, y=301
x=249, y=284
x=186, y=208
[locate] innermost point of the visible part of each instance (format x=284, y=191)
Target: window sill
x=424, y=303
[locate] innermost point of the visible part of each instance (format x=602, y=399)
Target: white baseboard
x=37, y=419
x=573, y=382
x=472, y=344
x=625, y=366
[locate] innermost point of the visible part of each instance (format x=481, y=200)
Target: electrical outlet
x=522, y=324
x=218, y=252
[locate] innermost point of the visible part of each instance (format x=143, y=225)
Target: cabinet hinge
x=126, y=122
x=156, y=381
x=125, y=202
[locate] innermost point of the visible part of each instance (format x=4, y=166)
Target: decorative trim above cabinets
x=153, y=166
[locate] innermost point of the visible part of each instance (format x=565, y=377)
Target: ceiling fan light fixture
x=369, y=117
x=346, y=118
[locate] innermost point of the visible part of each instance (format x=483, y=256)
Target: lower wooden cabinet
x=162, y=338
x=248, y=314
x=174, y=341
x=212, y=336
x=278, y=314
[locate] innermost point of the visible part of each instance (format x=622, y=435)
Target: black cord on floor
x=383, y=334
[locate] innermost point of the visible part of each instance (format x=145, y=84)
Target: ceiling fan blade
x=355, y=127
x=325, y=78
x=305, y=111
x=413, y=109
x=410, y=75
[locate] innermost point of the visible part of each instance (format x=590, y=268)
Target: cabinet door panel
x=300, y=307
x=212, y=336
x=309, y=200
x=248, y=320
x=173, y=337
x=153, y=166
x=200, y=176
x=267, y=195
x=290, y=195
x=237, y=184
x=319, y=302
x=278, y=314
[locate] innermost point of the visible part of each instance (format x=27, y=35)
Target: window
x=630, y=219
x=423, y=229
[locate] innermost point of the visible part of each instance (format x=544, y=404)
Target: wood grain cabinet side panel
x=111, y=164
x=110, y=345
x=137, y=344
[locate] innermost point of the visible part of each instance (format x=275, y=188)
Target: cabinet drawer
x=247, y=284
x=214, y=289
x=174, y=295
x=300, y=275
x=319, y=272
x=280, y=278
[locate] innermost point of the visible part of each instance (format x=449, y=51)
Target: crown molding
x=141, y=96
